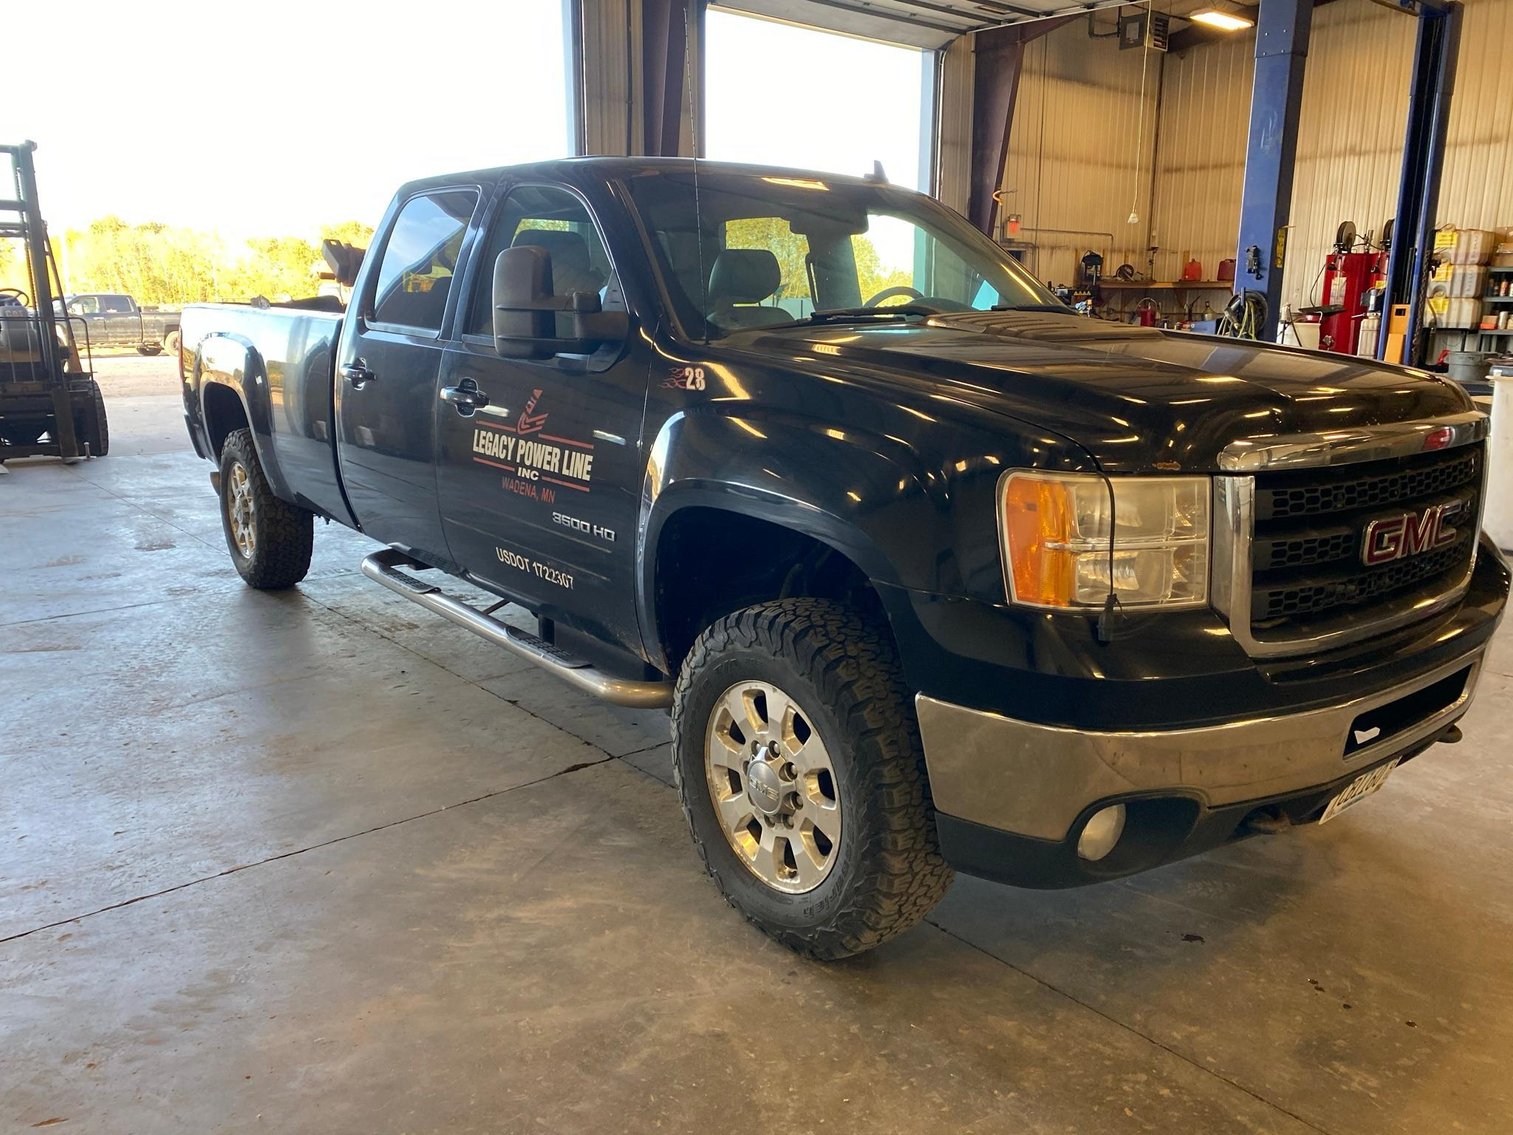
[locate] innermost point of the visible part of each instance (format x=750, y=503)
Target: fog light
x=1102, y=832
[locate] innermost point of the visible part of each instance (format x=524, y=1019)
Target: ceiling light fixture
x=1224, y=21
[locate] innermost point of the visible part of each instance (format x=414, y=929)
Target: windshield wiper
x=851, y=314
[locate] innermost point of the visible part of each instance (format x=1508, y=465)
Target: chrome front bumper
x=1035, y=780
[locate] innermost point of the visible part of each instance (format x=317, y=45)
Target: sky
x=278, y=117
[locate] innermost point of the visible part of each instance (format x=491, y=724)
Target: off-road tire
x=284, y=534
x=845, y=672
x=91, y=427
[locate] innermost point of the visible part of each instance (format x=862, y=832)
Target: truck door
x=89, y=324
x=120, y=322
x=386, y=372
x=540, y=486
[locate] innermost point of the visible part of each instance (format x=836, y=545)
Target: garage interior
x=312, y=861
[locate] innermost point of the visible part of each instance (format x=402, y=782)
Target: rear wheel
x=799, y=766
x=91, y=426
x=150, y=349
x=270, y=540
x=171, y=342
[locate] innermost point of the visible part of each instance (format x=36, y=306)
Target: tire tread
x=855, y=666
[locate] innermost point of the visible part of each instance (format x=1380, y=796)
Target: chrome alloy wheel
x=773, y=787
x=241, y=511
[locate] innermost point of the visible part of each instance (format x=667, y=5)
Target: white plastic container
x=1300, y=334
x=1464, y=312
x=1497, y=518
x=1467, y=282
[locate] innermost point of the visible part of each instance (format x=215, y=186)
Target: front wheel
x=800, y=769
x=171, y=342
x=270, y=540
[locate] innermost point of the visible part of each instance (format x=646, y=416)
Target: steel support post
x=1276, y=98
x=1424, y=139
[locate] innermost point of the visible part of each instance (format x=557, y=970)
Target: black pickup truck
x=931, y=572
x=111, y=319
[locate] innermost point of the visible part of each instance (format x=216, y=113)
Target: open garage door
x=781, y=94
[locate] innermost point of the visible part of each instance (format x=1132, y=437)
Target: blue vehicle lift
x=1282, y=34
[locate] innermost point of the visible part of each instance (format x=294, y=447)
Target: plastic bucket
x=1468, y=366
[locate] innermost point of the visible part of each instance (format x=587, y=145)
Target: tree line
x=165, y=264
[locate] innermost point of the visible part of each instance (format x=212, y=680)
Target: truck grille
x=1307, y=569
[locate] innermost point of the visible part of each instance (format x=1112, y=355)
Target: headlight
x=1055, y=530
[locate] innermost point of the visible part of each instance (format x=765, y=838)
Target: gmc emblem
x=1409, y=534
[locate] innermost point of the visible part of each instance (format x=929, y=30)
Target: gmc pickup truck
x=115, y=320
x=933, y=576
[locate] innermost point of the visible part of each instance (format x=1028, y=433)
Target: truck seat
x=572, y=270
x=739, y=281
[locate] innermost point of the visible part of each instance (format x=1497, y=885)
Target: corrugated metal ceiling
x=931, y=23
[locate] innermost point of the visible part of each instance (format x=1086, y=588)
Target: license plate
x=1357, y=790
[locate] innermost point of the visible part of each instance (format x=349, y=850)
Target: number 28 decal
x=686, y=378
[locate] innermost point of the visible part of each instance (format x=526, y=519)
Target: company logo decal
x=530, y=423
x=1410, y=534
x=535, y=462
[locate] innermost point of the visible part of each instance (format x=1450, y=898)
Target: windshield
x=777, y=249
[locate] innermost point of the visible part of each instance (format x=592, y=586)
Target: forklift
x=50, y=404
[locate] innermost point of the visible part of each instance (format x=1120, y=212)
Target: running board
x=384, y=567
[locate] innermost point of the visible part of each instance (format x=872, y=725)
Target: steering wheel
x=891, y=293
x=21, y=297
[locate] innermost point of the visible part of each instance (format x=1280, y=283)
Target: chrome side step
x=384, y=567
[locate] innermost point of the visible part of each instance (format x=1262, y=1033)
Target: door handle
x=465, y=396
x=357, y=373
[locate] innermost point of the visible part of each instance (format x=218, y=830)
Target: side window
x=115, y=305
x=559, y=222
x=85, y=305
x=415, y=274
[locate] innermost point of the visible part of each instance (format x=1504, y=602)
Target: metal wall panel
x=1477, y=191
x=1200, y=155
x=1080, y=151
x=1350, y=141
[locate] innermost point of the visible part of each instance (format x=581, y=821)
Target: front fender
x=866, y=496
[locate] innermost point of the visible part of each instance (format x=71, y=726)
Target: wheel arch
x=233, y=382
x=713, y=555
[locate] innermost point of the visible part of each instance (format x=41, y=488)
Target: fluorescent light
x=1224, y=21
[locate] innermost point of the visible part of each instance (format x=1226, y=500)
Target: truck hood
x=1136, y=398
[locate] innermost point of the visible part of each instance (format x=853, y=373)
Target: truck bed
x=293, y=354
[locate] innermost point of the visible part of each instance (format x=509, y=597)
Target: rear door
x=120, y=321
x=540, y=488
x=387, y=367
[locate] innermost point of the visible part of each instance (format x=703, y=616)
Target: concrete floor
x=319, y=862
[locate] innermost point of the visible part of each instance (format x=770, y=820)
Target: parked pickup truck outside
x=962, y=582
x=115, y=320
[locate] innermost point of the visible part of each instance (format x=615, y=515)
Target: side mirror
x=526, y=311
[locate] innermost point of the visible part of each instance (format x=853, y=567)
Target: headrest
x=744, y=275
x=568, y=250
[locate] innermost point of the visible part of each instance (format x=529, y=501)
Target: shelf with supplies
x=1175, y=298
x=1165, y=285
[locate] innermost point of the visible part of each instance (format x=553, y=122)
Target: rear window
x=420, y=258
